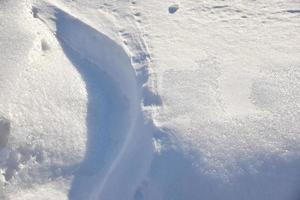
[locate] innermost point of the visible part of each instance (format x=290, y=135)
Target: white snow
x=144, y=100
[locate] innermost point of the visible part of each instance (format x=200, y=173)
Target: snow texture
x=143, y=100
x=4, y=132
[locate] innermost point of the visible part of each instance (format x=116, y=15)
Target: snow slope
x=150, y=99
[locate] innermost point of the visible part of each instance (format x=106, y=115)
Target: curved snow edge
x=112, y=59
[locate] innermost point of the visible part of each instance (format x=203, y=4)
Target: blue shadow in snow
x=107, y=110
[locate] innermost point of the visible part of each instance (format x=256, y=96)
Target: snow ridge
x=97, y=57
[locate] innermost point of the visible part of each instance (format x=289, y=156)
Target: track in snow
x=119, y=146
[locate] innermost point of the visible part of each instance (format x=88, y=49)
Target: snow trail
x=115, y=123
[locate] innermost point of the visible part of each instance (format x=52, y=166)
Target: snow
x=149, y=99
x=4, y=132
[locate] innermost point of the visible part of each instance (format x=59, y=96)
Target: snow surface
x=144, y=100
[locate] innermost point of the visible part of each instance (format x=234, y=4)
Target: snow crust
x=149, y=99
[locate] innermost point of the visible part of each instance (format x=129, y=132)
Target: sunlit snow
x=149, y=99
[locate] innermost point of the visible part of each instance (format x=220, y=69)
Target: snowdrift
x=115, y=125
